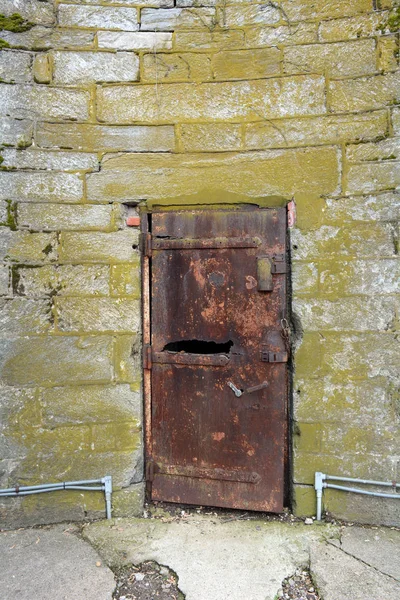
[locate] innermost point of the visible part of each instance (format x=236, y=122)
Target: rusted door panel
x=208, y=445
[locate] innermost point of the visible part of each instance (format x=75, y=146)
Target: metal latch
x=250, y=390
x=273, y=357
x=266, y=267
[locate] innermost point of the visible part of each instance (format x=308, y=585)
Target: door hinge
x=147, y=357
x=151, y=468
x=145, y=242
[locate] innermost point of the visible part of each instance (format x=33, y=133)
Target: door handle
x=250, y=390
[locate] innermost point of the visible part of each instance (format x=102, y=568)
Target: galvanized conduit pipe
x=321, y=483
x=86, y=484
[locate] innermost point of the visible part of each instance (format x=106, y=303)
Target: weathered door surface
x=217, y=360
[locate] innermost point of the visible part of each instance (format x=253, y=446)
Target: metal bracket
x=147, y=357
x=145, y=243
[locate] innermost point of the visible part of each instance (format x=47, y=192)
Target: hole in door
x=199, y=347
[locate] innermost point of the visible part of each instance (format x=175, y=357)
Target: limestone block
x=137, y=3
x=129, y=501
x=53, y=217
x=388, y=149
x=202, y=137
x=303, y=10
x=45, y=160
x=359, y=277
x=90, y=404
x=15, y=132
x=346, y=314
x=176, y=67
x=246, y=64
x=268, y=98
x=303, y=500
x=160, y=19
x=337, y=59
x=28, y=248
x=396, y=120
x=195, y=3
x=388, y=47
x=253, y=14
x=302, y=33
x=63, y=280
x=366, y=355
x=281, y=172
x=127, y=359
x=364, y=93
x=360, y=402
x=34, y=11
x=126, y=468
x=72, y=68
x=365, y=466
x=98, y=17
x=15, y=67
x=371, y=177
x=5, y=208
x=125, y=280
x=206, y=40
x=56, y=360
x=44, y=38
x=366, y=25
x=141, y=40
x=61, y=440
x=315, y=130
x=23, y=101
x=83, y=136
x=363, y=240
x=378, y=207
x=91, y=315
x=361, y=440
x=108, y=437
x=42, y=68
x=4, y=281
x=41, y=187
x=23, y=316
x=98, y=247
x=304, y=278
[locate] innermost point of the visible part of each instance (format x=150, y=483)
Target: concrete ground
x=215, y=558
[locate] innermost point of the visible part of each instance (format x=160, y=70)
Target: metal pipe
x=320, y=484
x=365, y=481
x=356, y=491
x=84, y=485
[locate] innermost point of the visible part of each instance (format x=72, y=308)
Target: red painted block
x=133, y=221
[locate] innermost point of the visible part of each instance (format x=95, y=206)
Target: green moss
x=11, y=218
x=4, y=44
x=15, y=23
x=48, y=249
x=393, y=22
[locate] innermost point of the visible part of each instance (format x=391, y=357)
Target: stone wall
x=110, y=104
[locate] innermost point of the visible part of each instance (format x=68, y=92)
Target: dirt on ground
x=148, y=581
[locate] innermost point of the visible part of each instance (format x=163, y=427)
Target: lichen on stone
x=15, y=23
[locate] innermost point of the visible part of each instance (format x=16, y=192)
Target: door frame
x=145, y=233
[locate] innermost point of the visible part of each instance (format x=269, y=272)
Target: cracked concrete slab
x=51, y=563
x=340, y=575
x=212, y=558
x=379, y=548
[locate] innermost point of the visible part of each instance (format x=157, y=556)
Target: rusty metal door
x=216, y=364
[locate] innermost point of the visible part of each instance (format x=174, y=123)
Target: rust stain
x=204, y=295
